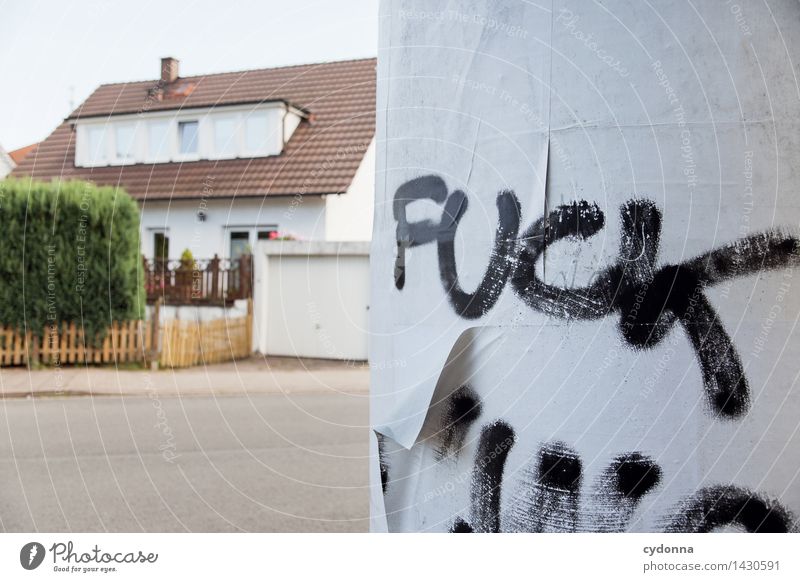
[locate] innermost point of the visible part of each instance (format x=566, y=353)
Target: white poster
x=586, y=238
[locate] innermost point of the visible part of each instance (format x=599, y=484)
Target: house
x=22, y=153
x=6, y=163
x=218, y=162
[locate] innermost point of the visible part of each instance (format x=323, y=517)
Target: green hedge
x=70, y=252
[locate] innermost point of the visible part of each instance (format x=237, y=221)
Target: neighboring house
x=218, y=162
x=22, y=153
x=6, y=163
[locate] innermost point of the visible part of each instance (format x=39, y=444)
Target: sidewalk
x=256, y=375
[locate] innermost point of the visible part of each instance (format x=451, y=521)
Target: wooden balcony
x=199, y=282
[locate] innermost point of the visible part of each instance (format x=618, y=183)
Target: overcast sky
x=54, y=53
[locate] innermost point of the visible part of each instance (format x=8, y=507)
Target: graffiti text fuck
x=648, y=296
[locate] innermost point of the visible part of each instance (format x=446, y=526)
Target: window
x=97, y=151
x=160, y=246
x=187, y=135
x=256, y=132
x=124, y=142
x=225, y=137
x=158, y=145
x=240, y=243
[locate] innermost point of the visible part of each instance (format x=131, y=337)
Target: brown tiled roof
x=19, y=155
x=320, y=158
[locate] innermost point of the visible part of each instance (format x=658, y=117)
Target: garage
x=312, y=299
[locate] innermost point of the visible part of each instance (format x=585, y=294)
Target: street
x=202, y=463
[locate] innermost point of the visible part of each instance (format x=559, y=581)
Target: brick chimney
x=169, y=70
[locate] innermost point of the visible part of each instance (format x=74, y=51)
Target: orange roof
x=19, y=155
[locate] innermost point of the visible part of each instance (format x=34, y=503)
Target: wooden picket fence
x=188, y=343
x=128, y=341
x=177, y=343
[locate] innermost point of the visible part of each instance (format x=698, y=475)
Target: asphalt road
x=258, y=462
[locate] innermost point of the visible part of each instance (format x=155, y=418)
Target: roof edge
x=163, y=198
x=243, y=71
x=76, y=116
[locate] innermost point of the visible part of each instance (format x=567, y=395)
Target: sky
x=53, y=53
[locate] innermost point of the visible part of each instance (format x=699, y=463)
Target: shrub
x=187, y=260
x=70, y=253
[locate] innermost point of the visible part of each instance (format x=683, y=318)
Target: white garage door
x=317, y=306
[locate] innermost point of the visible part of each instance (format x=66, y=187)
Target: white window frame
x=191, y=156
x=114, y=129
x=265, y=146
x=237, y=136
x=91, y=158
x=169, y=144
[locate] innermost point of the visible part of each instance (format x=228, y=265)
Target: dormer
x=185, y=134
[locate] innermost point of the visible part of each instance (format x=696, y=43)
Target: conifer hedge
x=69, y=251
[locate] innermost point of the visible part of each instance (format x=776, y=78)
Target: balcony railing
x=199, y=282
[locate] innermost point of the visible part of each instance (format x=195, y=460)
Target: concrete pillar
x=586, y=240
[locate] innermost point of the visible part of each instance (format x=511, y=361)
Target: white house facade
x=209, y=226
x=6, y=163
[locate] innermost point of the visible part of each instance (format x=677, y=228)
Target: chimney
x=169, y=70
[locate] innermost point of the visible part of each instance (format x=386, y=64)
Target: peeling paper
x=586, y=234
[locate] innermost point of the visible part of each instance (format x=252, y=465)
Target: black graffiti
x=649, y=298
x=383, y=461
x=416, y=233
x=715, y=507
x=549, y=499
x=495, y=443
x=412, y=234
x=462, y=409
x=550, y=495
x=478, y=303
x=620, y=489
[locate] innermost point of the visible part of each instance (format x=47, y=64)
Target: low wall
x=198, y=312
